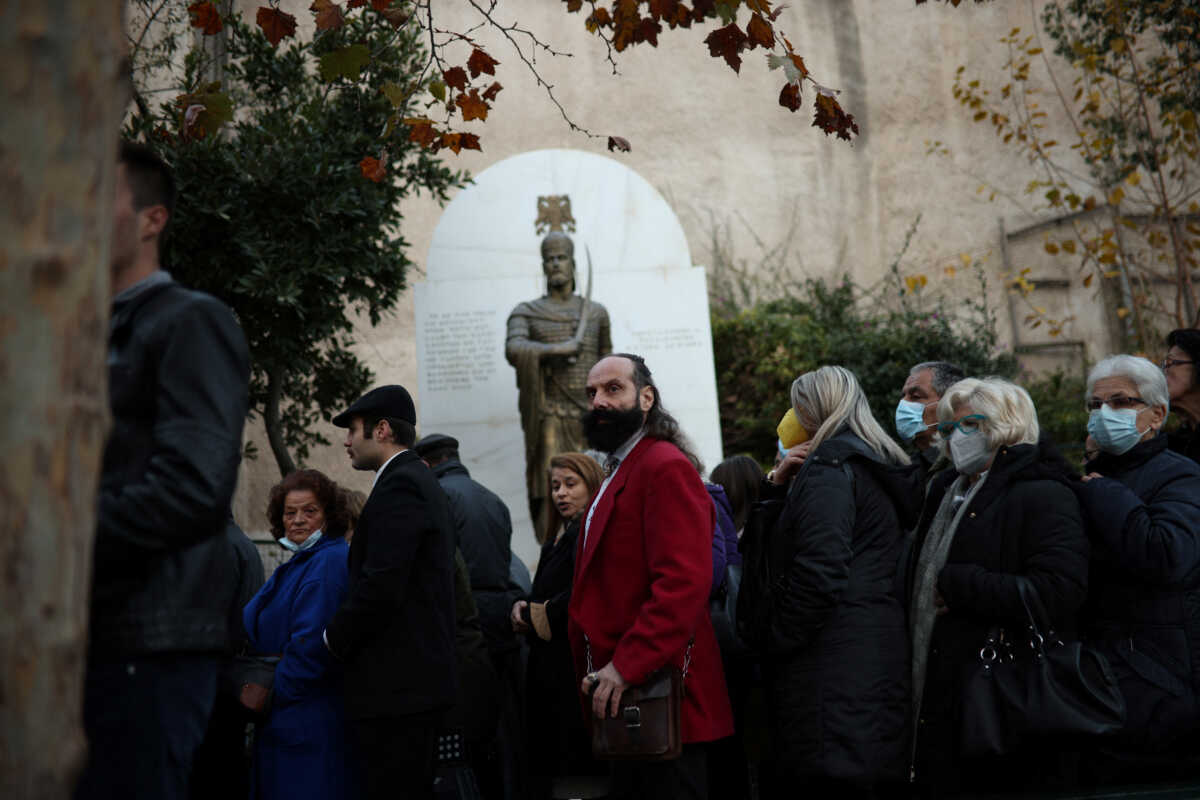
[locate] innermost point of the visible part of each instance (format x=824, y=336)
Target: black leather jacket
x=164, y=572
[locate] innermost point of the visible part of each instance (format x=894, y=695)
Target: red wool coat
x=642, y=581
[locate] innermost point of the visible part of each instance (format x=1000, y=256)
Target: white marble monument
x=484, y=259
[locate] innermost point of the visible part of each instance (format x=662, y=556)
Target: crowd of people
x=828, y=621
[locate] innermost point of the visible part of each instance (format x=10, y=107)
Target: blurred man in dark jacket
x=483, y=532
x=164, y=574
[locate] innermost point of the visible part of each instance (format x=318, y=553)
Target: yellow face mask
x=791, y=432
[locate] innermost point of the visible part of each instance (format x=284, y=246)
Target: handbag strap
x=687, y=656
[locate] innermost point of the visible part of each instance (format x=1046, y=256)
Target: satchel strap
x=687, y=655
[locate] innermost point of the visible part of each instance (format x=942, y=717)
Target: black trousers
x=144, y=718
x=684, y=778
x=397, y=755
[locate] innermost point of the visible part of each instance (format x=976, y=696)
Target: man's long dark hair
x=659, y=423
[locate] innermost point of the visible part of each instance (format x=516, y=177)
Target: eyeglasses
x=1167, y=363
x=1116, y=403
x=970, y=424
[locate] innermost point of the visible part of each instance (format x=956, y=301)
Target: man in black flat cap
x=395, y=630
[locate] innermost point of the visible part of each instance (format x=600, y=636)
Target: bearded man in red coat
x=643, y=573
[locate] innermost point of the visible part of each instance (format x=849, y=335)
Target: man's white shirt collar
x=379, y=471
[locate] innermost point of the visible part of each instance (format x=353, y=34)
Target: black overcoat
x=1025, y=521
x=1144, y=603
x=395, y=631
x=838, y=654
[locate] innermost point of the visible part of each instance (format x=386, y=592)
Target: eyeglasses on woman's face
x=1118, y=402
x=970, y=424
x=1169, y=362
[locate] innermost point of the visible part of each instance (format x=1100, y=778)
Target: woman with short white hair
x=837, y=653
x=1004, y=513
x=1141, y=501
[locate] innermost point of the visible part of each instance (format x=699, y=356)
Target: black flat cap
x=382, y=401
x=435, y=441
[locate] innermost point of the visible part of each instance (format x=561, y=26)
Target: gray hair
x=944, y=374
x=832, y=398
x=1010, y=415
x=1150, y=381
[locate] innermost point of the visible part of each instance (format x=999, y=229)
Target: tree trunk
x=274, y=425
x=62, y=100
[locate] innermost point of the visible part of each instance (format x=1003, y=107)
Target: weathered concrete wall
x=720, y=149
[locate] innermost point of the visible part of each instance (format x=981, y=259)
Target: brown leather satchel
x=647, y=726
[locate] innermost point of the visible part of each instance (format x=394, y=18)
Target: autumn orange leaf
x=396, y=15
x=664, y=9
x=798, y=63
x=789, y=97
x=205, y=17
x=329, y=15
x=472, y=106
x=480, y=62
x=380, y=5
x=619, y=143
x=726, y=43
x=491, y=92
x=456, y=78
x=831, y=118
x=276, y=25
x=353, y=4
x=372, y=169
x=459, y=141
x=760, y=32
x=421, y=131
x=574, y=5
x=760, y=6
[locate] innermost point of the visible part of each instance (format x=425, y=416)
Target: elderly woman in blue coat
x=1142, y=505
x=300, y=749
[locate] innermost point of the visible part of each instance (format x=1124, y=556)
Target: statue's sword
x=587, y=300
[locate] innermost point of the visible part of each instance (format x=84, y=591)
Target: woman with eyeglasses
x=1006, y=511
x=1183, y=384
x=1142, y=506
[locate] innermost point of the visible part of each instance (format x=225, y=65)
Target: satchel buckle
x=632, y=716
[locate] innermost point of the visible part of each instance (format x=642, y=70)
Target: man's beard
x=606, y=429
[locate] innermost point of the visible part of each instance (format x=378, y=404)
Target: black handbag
x=1027, y=685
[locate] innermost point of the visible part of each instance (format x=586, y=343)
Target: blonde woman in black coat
x=836, y=662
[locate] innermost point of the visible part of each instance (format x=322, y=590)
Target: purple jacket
x=725, y=542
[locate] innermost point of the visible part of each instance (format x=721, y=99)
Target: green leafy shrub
x=879, y=336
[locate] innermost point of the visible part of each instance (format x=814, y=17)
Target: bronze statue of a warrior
x=552, y=342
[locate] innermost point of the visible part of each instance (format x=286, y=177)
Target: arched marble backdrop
x=484, y=259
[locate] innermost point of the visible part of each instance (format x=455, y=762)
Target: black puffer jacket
x=165, y=574
x=1024, y=520
x=483, y=532
x=1144, y=604
x=837, y=660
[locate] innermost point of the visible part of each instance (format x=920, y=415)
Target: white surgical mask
x=970, y=452
x=312, y=539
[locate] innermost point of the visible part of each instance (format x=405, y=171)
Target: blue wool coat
x=301, y=750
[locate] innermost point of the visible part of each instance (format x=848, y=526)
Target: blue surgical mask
x=1114, y=431
x=312, y=539
x=910, y=419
